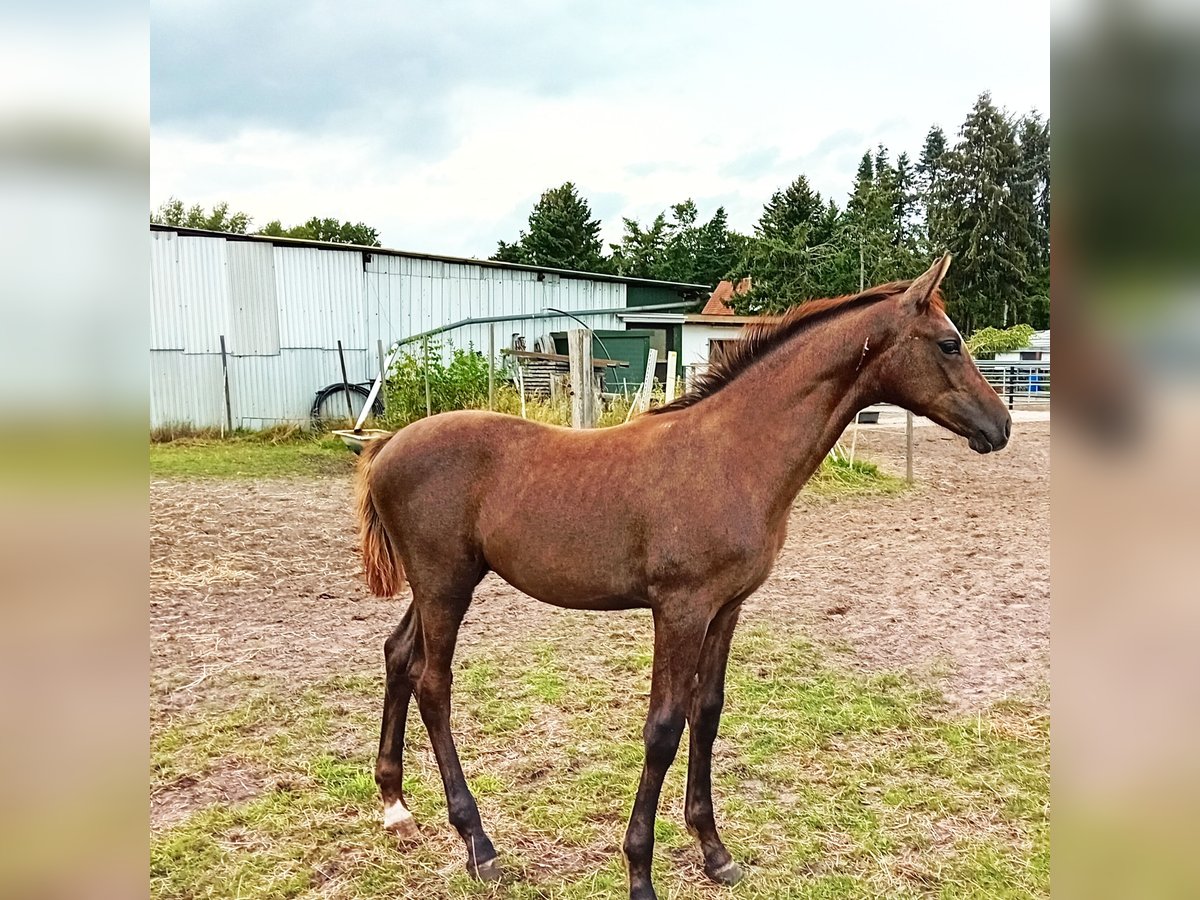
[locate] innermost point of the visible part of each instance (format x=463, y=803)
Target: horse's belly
x=570, y=591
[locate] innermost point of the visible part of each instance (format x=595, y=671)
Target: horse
x=449, y=498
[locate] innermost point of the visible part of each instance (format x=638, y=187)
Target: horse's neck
x=781, y=417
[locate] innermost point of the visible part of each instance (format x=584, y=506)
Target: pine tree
x=720, y=248
x=985, y=229
x=562, y=234
x=904, y=201
x=1034, y=138
x=930, y=184
x=642, y=251
x=796, y=206
x=864, y=186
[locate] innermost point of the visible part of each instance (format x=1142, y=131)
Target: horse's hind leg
x=442, y=612
x=704, y=717
x=403, y=656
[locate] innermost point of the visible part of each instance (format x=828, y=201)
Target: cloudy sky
x=441, y=123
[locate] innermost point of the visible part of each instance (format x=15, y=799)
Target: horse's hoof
x=486, y=871
x=400, y=822
x=728, y=874
x=405, y=830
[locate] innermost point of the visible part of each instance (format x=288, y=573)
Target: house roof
x=718, y=302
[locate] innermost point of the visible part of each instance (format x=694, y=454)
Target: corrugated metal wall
x=282, y=311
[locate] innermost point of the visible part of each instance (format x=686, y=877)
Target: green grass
x=828, y=785
x=272, y=454
x=296, y=454
x=840, y=476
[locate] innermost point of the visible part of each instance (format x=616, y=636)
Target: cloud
x=388, y=71
x=749, y=165
x=442, y=124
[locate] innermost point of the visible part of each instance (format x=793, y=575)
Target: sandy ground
x=949, y=581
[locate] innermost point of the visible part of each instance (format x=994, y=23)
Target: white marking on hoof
x=397, y=818
x=729, y=874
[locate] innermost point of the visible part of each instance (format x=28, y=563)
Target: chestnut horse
x=451, y=497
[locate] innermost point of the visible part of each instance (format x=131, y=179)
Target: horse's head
x=927, y=369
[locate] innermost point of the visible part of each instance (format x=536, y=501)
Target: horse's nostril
x=1008, y=428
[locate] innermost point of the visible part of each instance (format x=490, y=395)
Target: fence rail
x=1024, y=382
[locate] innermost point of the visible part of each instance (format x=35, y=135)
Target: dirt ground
x=949, y=581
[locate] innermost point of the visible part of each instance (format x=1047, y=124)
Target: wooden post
x=425, y=369
x=670, y=386
x=382, y=370
x=583, y=376
x=643, y=398
x=225, y=382
x=908, y=442
x=492, y=366
x=346, y=386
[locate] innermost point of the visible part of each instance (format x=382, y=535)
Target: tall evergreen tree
x=986, y=199
x=679, y=249
x=1034, y=138
x=904, y=201
x=930, y=184
x=562, y=234
x=864, y=186
x=642, y=251
x=985, y=228
x=796, y=206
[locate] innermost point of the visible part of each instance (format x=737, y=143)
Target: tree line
x=174, y=212
x=985, y=197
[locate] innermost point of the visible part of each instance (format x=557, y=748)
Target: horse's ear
x=919, y=295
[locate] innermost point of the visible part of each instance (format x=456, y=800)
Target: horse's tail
x=384, y=570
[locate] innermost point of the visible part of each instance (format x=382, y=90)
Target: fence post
x=225, y=382
x=492, y=366
x=643, y=397
x=583, y=391
x=1009, y=378
x=670, y=385
x=425, y=368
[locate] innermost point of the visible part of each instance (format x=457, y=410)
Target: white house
x=1037, y=350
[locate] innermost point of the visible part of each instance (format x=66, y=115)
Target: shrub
x=987, y=342
x=462, y=383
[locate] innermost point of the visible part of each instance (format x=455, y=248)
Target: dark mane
x=761, y=338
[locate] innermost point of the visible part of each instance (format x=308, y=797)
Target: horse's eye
x=950, y=347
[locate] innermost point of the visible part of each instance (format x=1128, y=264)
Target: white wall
x=696, y=337
x=283, y=309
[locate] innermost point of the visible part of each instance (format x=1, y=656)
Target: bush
x=987, y=342
x=460, y=384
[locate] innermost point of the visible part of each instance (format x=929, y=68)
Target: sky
x=440, y=124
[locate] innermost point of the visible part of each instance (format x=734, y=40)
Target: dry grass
x=829, y=785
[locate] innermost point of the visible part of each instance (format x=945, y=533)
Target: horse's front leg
x=704, y=717
x=678, y=636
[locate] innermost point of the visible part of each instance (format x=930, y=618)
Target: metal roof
x=462, y=260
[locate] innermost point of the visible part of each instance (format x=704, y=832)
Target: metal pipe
x=487, y=320
x=526, y=317
x=595, y=336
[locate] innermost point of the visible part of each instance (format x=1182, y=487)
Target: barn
x=260, y=318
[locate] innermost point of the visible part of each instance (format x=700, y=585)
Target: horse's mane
x=760, y=338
